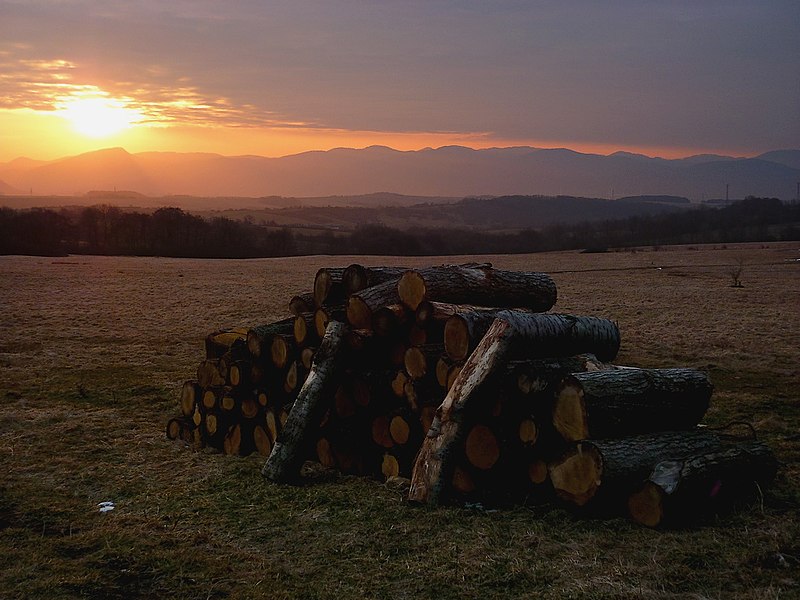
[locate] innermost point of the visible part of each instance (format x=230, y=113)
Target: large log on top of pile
x=603, y=473
x=477, y=284
x=682, y=491
x=624, y=402
x=301, y=430
x=433, y=469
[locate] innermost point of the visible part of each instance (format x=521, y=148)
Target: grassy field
x=93, y=351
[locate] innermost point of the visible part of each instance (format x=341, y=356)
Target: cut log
x=307, y=357
x=305, y=331
x=380, y=432
x=419, y=361
x=328, y=286
x=481, y=447
x=301, y=428
x=679, y=492
x=388, y=319
x=617, y=403
x=220, y=342
x=301, y=304
x=433, y=470
x=259, y=339
x=604, y=473
x=464, y=328
x=324, y=315
x=191, y=392
x=211, y=372
x=362, y=305
x=357, y=277
x=261, y=440
x=477, y=285
x=540, y=375
x=180, y=428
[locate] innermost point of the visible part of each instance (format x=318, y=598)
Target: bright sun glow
x=98, y=116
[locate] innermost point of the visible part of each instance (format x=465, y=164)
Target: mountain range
x=447, y=172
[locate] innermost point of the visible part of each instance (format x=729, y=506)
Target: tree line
x=172, y=232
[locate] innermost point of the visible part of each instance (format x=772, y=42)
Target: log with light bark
x=357, y=277
x=302, y=303
x=622, y=402
x=680, y=492
x=478, y=380
x=479, y=284
x=603, y=473
x=301, y=428
x=328, y=286
x=362, y=305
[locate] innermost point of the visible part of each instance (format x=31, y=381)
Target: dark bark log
x=357, y=277
x=603, y=473
x=301, y=429
x=624, y=402
x=362, y=305
x=302, y=303
x=388, y=319
x=180, y=428
x=680, y=492
x=477, y=285
x=259, y=339
x=328, y=286
x=465, y=328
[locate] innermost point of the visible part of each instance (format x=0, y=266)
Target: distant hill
x=7, y=189
x=447, y=172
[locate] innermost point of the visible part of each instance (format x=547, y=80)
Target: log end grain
x=569, y=411
x=415, y=362
x=399, y=429
x=645, y=506
x=456, y=338
x=412, y=289
x=481, y=447
x=262, y=441
x=462, y=481
x=577, y=475
x=359, y=315
x=389, y=466
x=189, y=393
x=528, y=432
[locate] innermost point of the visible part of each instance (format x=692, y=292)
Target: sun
x=98, y=116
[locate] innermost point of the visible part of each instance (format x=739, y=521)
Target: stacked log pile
x=458, y=378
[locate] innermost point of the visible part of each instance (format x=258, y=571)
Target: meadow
x=94, y=350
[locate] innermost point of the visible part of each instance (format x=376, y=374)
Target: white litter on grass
x=106, y=506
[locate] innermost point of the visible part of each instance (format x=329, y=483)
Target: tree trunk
x=623, y=402
x=301, y=429
x=602, y=473
x=362, y=305
x=357, y=277
x=684, y=491
x=328, y=286
x=477, y=285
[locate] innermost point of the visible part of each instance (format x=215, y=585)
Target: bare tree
x=735, y=273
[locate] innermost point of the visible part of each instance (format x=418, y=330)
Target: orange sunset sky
x=275, y=78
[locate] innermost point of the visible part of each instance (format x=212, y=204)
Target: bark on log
x=617, y=403
x=357, y=277
x=465, y=328
x=259, y=339
x=324, y=315
x=328, y=286
x=684, y=491
x=603, y=472
x=362, y=305
x=477, y=285
x=302, y=303
x=388, y=319
x=301, y=428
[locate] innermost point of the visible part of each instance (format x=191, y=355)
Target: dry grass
x=93, y=351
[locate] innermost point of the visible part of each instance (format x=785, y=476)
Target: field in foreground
x=93, y=352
